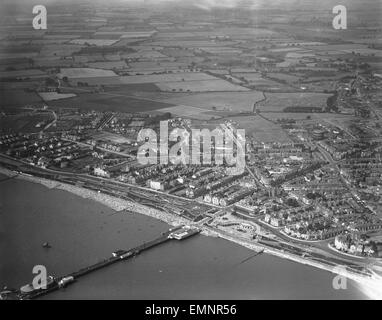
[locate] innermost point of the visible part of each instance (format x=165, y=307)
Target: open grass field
x=110, y=137
x=222, y=50
x=287, y=63
x=188, y=112
x=26, y=84
x=211, y=105
x=188, y=43
x=340, y=119
x=28, y=73
x=159, y=65
x=232, y=101
x=98, y=81
x=95, y=42
x=149, y=69
x=286, y=49
x=274, y=116
x=134, y=79
x=377, y=66
x=108, y=65
x=337, y=47
x=200, y=86
x=299, y=55
x=74, y=73
x=44, y=62
x=255, y=80
x=260, y=129
x=26, y=123
x=110, y=102
x=248, y=76
x=18, y=98
x=59, y=50
x=177, y=53
x=50, y=96
x=85, y=58
x=276, y=102
x=124, y=34
x=283, y=77
x=140, y=90
x=152, y=54
x=171, y=77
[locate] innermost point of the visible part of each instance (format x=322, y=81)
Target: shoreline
x=114, y=203
x=119, y=205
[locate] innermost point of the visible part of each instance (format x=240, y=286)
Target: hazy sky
x=322, y=5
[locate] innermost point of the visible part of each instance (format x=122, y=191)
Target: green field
x=25, y=123
x=277, y=102
x=260, y=129
x=223, y=101
x=18, y=98
x=110, y=102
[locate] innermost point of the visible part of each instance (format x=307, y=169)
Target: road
x=230, y=132
x=165, y=202
x=334, y=164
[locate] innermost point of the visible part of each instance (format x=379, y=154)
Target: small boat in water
x=46, y=245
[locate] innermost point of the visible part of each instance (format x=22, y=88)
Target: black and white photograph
x=190, y=150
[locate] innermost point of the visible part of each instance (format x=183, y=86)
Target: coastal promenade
x=355, y=272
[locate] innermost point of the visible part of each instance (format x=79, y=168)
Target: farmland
x=74, y=73
x=18, y=98
x=200, y=86
x=189, y=112
x=22, y=74
x=96, y=42
x=110, y=102
x=108, y=65
x=223, y=101
x=110, y=137
x=24, y=122
x=277, y=102
x=163, y=78
x=50, y=96
x=259, y=129
x=194, y=66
